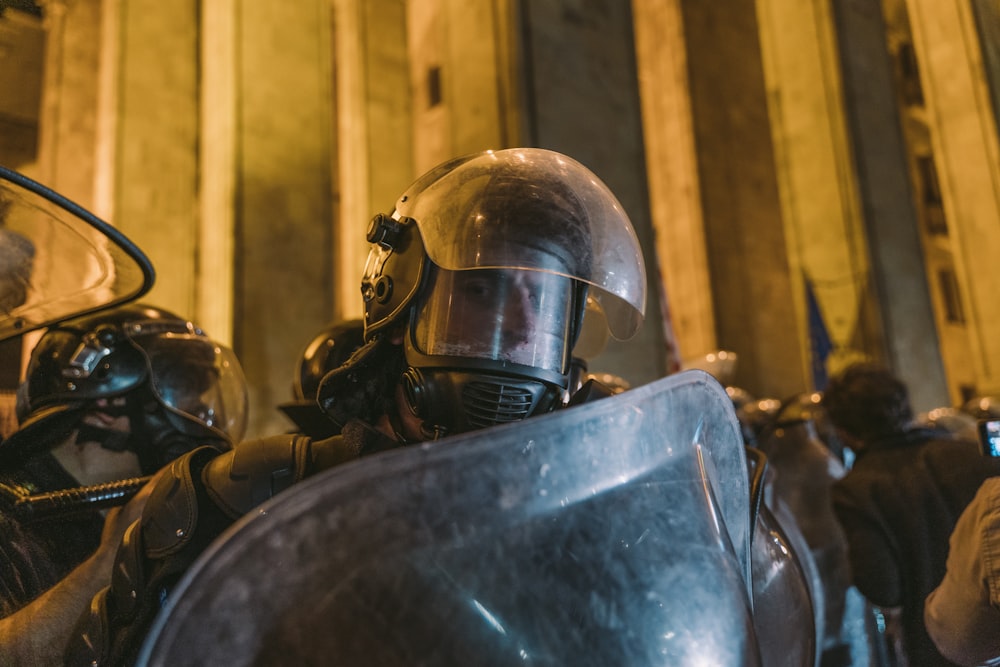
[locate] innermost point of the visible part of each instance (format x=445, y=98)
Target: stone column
x=557, y=75
x=215, y=155
x=580, y=96
x=148, y=138
x=963, y=131
x=67, y=151
x=820, y=204
x=374, y=131
x=737, y=292
x=908, y=337
x=22, y=45
x=283, y=191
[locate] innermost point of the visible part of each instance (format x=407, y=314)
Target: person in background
x=900, y=500
x=962, y=614
x=107, y=397
x=328, y=349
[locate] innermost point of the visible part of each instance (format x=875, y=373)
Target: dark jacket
x=34, y=556
x=197, y=498
x=898, y=506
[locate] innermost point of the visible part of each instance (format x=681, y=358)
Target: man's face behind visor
x=510, y=315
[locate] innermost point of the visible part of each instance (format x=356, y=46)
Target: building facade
x=811, y=182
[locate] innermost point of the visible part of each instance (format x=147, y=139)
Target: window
x=950, y=296
x=913, y=92
x=930, y=196
x=433, y=87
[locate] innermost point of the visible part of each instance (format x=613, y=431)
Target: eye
x=477, y=288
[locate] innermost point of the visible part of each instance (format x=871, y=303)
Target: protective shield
x=612, y=533
x=57, y=260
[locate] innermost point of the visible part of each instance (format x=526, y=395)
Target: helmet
x=181, y=388
x=329, y=349
x=485, y=267
x=955, y=421
x=983, y=407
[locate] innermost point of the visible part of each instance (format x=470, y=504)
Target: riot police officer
x=107, y=397
x=330, y=348
x=474, y=293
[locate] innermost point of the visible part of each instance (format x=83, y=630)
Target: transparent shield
x=614, y=533
x=57, y=260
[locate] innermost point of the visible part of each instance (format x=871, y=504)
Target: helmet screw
x=106, y=337
x=383, y=289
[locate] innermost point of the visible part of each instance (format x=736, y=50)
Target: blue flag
x=819, y=339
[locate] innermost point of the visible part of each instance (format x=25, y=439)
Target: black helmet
x=181, y=388
x=328, y=349
x=983, y=407
x=466, y=243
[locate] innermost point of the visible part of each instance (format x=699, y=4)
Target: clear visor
x=515, y=316
x=199, y=379
x=534, y=209
x=57, y=260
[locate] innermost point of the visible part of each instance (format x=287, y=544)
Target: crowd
x=474, y=294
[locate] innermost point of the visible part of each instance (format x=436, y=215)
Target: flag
x=819, y=339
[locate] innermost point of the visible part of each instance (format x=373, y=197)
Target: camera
x=989, y=436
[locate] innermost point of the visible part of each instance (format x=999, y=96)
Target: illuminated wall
x=245, y=145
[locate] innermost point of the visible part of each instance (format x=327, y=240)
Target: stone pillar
x=672, y=174
x=581, y=97
x=284, y=193
x=548, y=75
x=374, y=139
x=820, y=206
x=148, y=138
x=214, y=298
x=68, y=121
x=908, y=339
x=461, y=72
x=22, y=43
x=987, y=17
x=956, y=77
x=714, y=66
x=67, y=159
x=215, y=155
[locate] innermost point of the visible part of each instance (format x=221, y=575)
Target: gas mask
x=489, y=346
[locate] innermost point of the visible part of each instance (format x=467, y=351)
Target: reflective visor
x=520, y=209
x=511, y=315
x=198, y=378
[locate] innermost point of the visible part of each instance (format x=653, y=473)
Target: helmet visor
x=516, y=316
x=536, y=210
x=198, y=378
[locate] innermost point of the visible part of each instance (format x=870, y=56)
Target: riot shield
x=612, y=533
x=57, y=260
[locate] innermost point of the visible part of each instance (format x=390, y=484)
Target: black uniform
x=898, y=506
x=203, y=493
x=35, y=556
